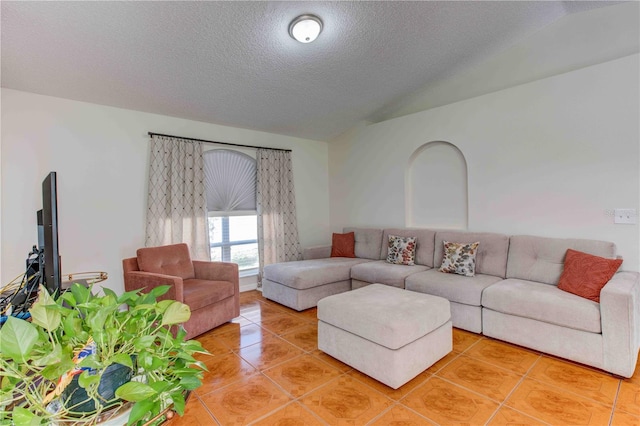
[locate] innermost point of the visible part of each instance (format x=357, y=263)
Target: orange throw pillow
x=343, y=245
x=585, y=274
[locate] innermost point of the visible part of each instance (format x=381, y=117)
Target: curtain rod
x=219, y=143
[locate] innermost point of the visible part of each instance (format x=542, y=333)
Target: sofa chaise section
x=301, y=284
x=393, y=275
x=528, y=308
x=465, y=293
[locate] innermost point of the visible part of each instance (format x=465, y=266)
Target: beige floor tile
x=399, y=415
x=346, y=401
x=629, y=398
x=514, y=358
x=310, y=314
x=479, y=376
x=302, y=374
x=232, y=325
x=258, y=312
x=636, y=375
x=268, y=353
x=599, y=386
x=620, y=418
x=463, y=339
x=243, y=402
x=213, y=344
x=293, y=414
x=395, y=394
x=283, y=323
x=305, y=337
x=446, y=403
x=245, y=336
x=224, y=370
x=443, y=362
x=509, y=417
x=331, y=361
x=557, y=406
x=195, y=414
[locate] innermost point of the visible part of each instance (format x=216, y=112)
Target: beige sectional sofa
x=512, y=297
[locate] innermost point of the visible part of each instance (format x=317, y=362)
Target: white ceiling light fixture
x=305, y=28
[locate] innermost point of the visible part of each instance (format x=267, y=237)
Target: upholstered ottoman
x=388, y=333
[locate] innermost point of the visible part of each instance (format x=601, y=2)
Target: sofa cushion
x=543, y=302
x=201, y=293
x=491, y=258
x=402, y=250
x=584, y=274
x=424, y=243
x=385, y=273
x=305, y=274
x=455, y=288
x=459, y=258
x=171, y=260
x=368, y=242
x=541, y=259
x=388, y=316
x=343, y=245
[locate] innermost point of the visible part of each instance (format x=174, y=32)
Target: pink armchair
x=210, y=289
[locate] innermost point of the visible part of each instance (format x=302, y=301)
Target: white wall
x=100, y=154
x=548, y=158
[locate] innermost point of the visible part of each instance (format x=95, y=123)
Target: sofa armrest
x=135, y=280
x=217, y=271
x=316, y=252
x=620, y=317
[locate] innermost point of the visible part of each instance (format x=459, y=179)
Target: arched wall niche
x=436, y=187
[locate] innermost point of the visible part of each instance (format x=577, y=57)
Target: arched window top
x=230, y=180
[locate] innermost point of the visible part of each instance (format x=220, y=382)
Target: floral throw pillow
x=459, y=258
x=402, y=250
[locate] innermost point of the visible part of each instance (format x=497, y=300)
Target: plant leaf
x=160, y=290
x=17, y=338
x=143, y=342
x=178, y=402
x=45, y=316
x=121, y=358
x=108, y=292
x=86, y=379
x=80, y=293
x=190, y=382
x=52, y=357
x=24, y=417
x=176, y=313
x=96, y=320
x=135, y=391
x=139, y=410
x=54, y=371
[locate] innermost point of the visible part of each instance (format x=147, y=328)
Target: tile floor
x=266, y=370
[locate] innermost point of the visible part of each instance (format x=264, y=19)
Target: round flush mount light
x=305, y=28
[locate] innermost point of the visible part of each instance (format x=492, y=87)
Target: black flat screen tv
x=48, y=235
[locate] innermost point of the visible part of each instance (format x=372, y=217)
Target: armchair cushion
x=201, y=293
x=168, y=260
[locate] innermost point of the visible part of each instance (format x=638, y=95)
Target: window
x=230, y=181
x=234, y=239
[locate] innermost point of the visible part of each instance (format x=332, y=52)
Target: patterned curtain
x=176, y=204
x=276, y=205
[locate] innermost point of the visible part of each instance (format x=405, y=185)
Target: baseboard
x=248, y=287
x=248, y=283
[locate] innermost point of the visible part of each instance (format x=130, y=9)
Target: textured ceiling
x=233, y=63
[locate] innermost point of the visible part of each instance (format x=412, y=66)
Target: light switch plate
x=625, y=216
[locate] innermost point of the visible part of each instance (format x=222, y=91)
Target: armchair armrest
x=134, y=280
x=217, y=271
x=620, y=317
x=316, y=252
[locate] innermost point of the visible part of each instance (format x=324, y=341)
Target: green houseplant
x=55, y=369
